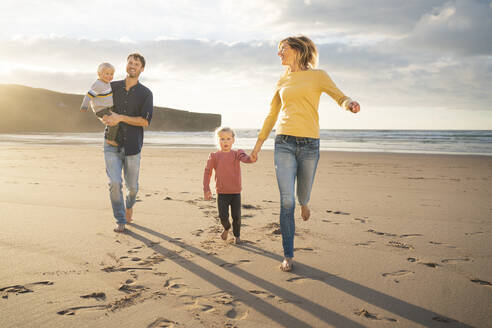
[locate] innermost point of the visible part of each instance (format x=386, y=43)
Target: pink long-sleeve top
x=227, y=171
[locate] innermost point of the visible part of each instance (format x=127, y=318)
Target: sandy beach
x=395, y=240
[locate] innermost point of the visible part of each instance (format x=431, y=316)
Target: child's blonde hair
x=104, y=66
x=224, y=129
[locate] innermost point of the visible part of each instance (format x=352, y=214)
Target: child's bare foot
x=287, y=264
x=120, y=228
x=237, y=240
x=129, y=215
x=112, y=143
x=224, y=234
x=305, y=212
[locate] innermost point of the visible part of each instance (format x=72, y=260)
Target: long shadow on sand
x=270, y=311
x=394, y=305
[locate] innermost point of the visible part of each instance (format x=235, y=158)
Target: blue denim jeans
x=295, y=158
x=116, y=162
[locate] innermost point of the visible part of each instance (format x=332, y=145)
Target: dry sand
x=394, y=241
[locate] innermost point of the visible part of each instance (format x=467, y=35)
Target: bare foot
x=305, y=212
x=112, y=143
x=287, y=264
x=237, y=240
x=129, y=215
x=224, y=234
x=120, y=228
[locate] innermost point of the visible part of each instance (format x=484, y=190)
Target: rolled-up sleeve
x=148, y=107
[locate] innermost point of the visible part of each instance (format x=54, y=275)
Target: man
x=133, y=108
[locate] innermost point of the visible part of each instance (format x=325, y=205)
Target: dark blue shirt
x=137, y=101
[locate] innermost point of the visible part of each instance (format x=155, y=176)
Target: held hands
x=253, y=156
x=112, y=120
x=354, y=107
x=207, y=195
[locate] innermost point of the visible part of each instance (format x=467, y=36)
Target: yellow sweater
x=297, y=99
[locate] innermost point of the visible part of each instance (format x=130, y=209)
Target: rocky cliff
x=25, y=109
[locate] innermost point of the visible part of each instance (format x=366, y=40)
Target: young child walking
x=100, y=97
x=226, y=163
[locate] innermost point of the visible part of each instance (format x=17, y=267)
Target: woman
x=297, y=141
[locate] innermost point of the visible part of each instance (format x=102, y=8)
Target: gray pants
x=111, y=131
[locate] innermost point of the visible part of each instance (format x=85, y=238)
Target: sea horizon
x=459, y=142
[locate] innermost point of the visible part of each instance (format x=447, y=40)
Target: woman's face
x=287, y=55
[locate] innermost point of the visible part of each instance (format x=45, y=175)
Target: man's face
x=134, y=67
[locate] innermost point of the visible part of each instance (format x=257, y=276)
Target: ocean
x=460, y=142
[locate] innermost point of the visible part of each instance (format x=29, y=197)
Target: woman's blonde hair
x=306, y=52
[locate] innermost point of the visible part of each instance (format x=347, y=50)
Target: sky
x=420, y=64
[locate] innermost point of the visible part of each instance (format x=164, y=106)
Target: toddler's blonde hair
x=104, y=66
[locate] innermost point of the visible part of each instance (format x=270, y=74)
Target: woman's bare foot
x=305, y=212
x=224, y=234
x=237, y=240
x=287, y=264
x=129, y=215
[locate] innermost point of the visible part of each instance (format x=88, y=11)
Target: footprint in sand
x=360, y=220
x=472, y=233
x=250, y=207
x=225, y=304
x=204, y=308
x=399, y=244
x=381, y=233
x=21, y=289
x=100, y=296
x=308, y=249
x=399, y=273
x=274, y=228
x=366, y=314
x=328, y=221
x=129, y=289
x=337, y=212
x=162, y=323
x=297, y=279
x=436, y=243
x=481, y=282
x=230, y=265
x=175, y=286
x=197, y=233
x=456, y=261
x=74, y=310
x=367, y=243
x=123, y=269
x=430, y=264
x=267, y=295
x=411, y=235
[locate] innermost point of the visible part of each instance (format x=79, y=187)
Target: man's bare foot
x=129, y=215
x=237, y=240
x=305, y=212
x=112, y=143
x=120, y=228
x=287, y=264
x=224, y=234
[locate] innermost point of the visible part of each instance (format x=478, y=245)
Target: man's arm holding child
x=115, y=118
x=144, y=120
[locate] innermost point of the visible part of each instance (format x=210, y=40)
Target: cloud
x=460, y=27
x=377, y=74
